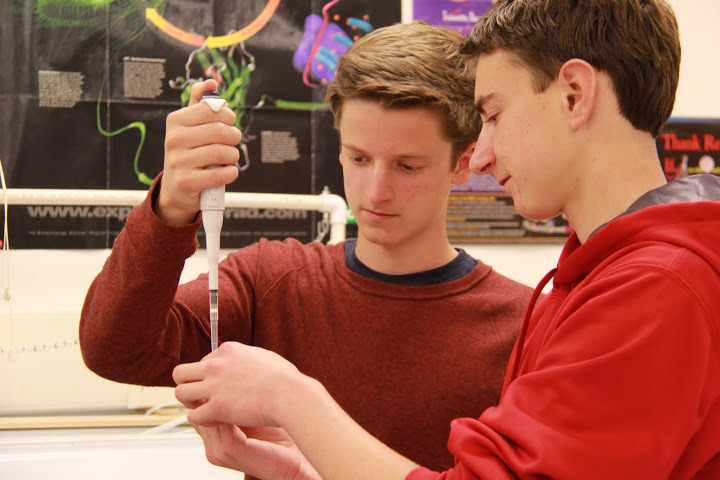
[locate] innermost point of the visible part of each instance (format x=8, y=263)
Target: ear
x=578, y=84
x=462, y=169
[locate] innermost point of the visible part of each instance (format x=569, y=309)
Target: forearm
x=127, y=309
x=334, y=444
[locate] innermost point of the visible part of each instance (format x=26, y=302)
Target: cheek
x=425, y=195
x=409, y=194
x=352, y=178
x=351, y=186
x=523, y=149
x=523, y=139
x=411, y=190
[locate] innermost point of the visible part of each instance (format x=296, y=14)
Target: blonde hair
x=412, y=65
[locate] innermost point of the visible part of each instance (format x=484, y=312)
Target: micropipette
x=212, y=205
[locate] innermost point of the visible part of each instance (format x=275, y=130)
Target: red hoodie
x=616, y=374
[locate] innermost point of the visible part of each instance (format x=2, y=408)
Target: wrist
x=168, y=213
x=332, y=442
x=174, y=216
x=295, y=397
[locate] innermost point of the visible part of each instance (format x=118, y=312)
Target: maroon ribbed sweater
x=403, y=361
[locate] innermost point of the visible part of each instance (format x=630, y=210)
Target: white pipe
x=336, y=206
x=40, y=196
x=333, y=204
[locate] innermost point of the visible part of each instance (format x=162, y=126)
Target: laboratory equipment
x=212, y=205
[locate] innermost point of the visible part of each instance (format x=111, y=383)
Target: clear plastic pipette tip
x=213, y=320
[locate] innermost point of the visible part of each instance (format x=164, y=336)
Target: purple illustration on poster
x=459, y=15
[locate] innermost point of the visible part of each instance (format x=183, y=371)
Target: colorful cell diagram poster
x=86, y=87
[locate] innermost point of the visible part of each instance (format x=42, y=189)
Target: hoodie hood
x=684, y=212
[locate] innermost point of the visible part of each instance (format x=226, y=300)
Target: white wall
x=54, y=282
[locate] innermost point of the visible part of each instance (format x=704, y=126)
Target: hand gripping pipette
x=212, y=205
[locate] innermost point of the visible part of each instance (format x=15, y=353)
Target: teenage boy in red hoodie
x=616, y=373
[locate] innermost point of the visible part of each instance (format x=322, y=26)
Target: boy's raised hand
x=195, y=138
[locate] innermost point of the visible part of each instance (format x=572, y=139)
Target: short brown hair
x=411, y=65
x=635, y=42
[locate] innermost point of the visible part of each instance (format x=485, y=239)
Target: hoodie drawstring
x=526, y=322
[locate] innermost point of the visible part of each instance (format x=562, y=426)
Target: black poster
x=86, y=86
x=690, y=146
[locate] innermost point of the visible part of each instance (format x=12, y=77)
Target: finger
x=188, y=372
x=202, y=416
x=206, y=434
x=198, y=88
x=202, y=114
x=211, y=133
x=215, y=177
x=224, y=115
x=188, y=137
x=224, y=445
x=192, y=395
x=216, y=154
x=269, y=434
x=211, y=441
x=193, y=181
x=229, y=435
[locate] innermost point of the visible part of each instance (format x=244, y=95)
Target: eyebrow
x=482, y=100
x=403, y=156
x=353, y=148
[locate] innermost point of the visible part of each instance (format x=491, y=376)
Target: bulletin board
x=86, y=87
x=480, y=210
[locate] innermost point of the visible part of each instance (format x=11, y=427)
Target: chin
x=380, y=240
x=538, y=215
x=376, y=236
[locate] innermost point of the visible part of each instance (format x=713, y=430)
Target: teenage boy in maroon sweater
x=389, y=322
x=616, y=374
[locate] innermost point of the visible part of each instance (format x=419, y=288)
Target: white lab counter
x=107, y=453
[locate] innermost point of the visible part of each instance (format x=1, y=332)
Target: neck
x=618, y=172
x=418, y=255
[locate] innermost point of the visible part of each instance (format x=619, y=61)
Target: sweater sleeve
x=136, y=324
x=616, y=384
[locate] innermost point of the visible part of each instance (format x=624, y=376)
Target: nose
x=379, y=187
x=483, y=157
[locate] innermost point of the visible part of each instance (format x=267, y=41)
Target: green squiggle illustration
x=70, y=13
x=290, y=104
x=144, y=178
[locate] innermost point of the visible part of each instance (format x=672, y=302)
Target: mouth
x=503, y=181
x=378, y=216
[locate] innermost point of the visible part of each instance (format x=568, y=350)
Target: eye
x=355, y=158
x=408, y=168
x=491, y=119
